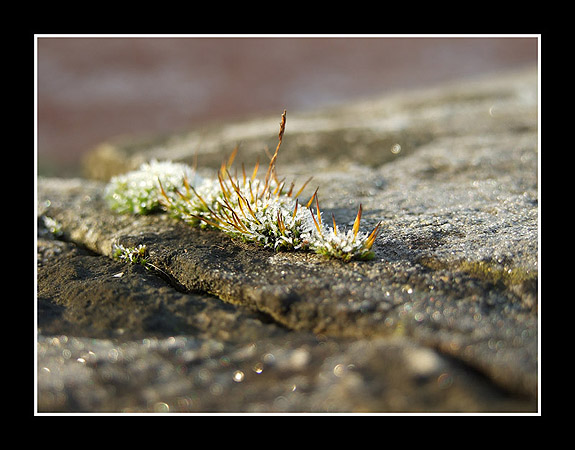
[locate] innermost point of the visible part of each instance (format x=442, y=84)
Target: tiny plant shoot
x=264, y=211
x=133, y=255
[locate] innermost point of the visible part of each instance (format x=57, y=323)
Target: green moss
x=133, y=255
x=432, y=263
x=486, y=271
x=495, y=273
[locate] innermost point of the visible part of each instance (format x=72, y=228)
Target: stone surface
x=445, y=318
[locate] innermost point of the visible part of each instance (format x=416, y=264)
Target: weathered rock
x=443, y=319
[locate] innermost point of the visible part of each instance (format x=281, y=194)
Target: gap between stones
x=164, y=274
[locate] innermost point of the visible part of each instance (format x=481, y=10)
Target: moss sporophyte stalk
x=264, y=211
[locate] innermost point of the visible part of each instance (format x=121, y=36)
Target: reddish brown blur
x=94, y=89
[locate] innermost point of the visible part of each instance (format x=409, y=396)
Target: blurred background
x=91, y=90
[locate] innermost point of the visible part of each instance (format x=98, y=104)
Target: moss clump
x=264, y=211
x=137, y=192
x=133, y=255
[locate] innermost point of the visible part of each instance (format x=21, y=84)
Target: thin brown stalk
x=295, y=208
x=163, y=192
x=203, y=201
x=334, y=225
x=232, y=156
x=279, y=188
x=311, y=199
x=303, y=187
x=357, y=220
x=187, y=185
x=251, y=192
x=281, y=225
x=317, y=208
x=271, y=167
x=222, y=185
x=182, y=196
x=316, y=224
x=373, y=236
x=207, y=221
x=255, y=172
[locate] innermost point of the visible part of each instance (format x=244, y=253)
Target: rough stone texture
x=445, y=318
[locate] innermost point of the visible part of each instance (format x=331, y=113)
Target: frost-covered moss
x=133, y=255
x=346, y=245
x=262, y=211
x=137, y=192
